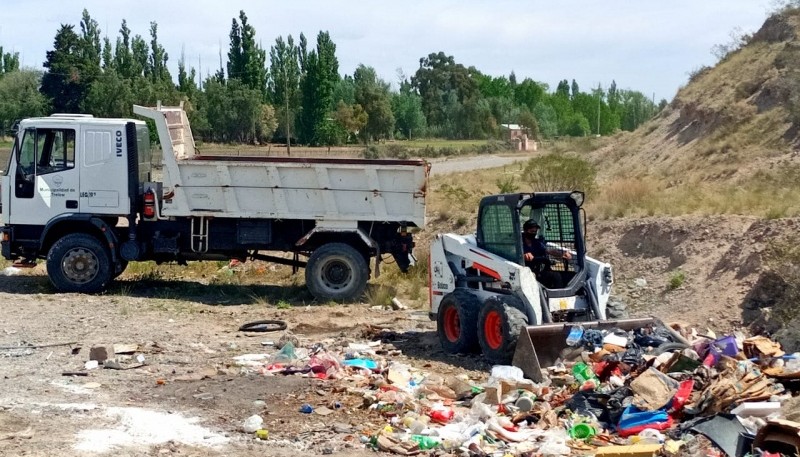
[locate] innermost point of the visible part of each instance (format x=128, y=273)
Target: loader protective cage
x=500, y=220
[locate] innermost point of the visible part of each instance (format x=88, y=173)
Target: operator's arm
x=560, y=252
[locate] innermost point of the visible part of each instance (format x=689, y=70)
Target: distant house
x=518, y=135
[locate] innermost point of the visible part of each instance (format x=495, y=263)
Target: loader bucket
x=540, y=346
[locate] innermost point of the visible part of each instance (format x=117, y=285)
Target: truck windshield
x=10, y=157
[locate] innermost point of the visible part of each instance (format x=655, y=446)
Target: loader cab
x=500, y=221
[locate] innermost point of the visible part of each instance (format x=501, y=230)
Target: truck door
x=104, y=170
x=45, y=179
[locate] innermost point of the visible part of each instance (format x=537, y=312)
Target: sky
x=645, y=45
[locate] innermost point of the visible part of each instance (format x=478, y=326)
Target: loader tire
x=456, y=322
x=337, y=272
x=78, y=262
x=499, y=326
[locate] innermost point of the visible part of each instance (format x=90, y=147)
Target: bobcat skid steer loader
x=483, y=294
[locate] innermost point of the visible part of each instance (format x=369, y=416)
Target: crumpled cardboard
x=760, y=347
x=779, y=435
x=736, y=383
x=652, y=390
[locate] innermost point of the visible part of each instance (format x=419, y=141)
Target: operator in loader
x=535, y=253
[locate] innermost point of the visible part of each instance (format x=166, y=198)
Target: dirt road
x=461, y=164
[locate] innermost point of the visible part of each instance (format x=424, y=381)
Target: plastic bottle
x=575, y=335
x=583, y=372
x=525, y=400
x=425, y=442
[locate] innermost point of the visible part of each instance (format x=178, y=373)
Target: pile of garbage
x=613, y=393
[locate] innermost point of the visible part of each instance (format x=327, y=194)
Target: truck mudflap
x=540, y=346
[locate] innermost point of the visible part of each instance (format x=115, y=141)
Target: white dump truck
x=81, y=192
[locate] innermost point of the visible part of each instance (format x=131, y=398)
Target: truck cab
x=62, y=168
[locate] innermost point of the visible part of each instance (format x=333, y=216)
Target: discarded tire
x=263, y=326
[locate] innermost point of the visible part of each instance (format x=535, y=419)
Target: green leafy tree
x=352, y=118
x=89, y=49
x=578, y=125
x=528, y=93
x=345, y=91
x=156, y=69
x=8, y=62
x=284, y=84
x=123, y=57
x=528, y=120
x=140, y=57
x=246, y=59
x=503, y=110
x=494, y=86
x=373, y=95
x=20, y=97
x=635, y=109
x=320, y=73
x=563, y=88
x=439, y=79
x=63, y=81
x=234, y=111
x=109, y=96
x=409, y=118
x=547, y=119
x=575, y=89
x=186, y=81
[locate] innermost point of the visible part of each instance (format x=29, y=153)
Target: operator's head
x=530, y=228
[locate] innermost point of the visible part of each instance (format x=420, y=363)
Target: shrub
x=554, y=172
x=676, y=279
x=507, y=184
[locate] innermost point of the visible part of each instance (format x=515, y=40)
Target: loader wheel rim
x=493, y=330
x=452, y=324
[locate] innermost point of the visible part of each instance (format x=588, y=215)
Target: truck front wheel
x=79, y=263
x=338, y=272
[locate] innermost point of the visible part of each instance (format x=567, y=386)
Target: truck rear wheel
x=457, y=321
x=499, y=325
x=79, y=263
x=338, y=272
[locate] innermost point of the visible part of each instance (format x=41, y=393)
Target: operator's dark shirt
x=538, y=248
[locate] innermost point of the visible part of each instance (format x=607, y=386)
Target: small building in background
x=518, y=136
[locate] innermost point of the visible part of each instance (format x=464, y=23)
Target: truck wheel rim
x=80, y=265
x=336, y=274
x=452, y=325
x=493, y=329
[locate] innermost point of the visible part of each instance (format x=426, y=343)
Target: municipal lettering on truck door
x=104, y=170
x=45, y=178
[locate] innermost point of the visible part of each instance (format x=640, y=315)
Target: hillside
x=735, y=122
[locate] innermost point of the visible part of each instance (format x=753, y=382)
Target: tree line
x=293, y=92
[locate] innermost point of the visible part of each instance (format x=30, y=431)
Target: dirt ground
x=190, y=398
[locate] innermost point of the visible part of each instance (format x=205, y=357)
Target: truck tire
x=456, y=322
x=337, y=272
x=499, y=325
x=79, y=263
